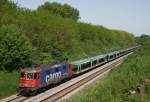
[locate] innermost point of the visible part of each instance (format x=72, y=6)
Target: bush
x=65, y=10
x=15, y=49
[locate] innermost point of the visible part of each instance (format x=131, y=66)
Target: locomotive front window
x=35, y=75
x=22, y=74
x=30, y=76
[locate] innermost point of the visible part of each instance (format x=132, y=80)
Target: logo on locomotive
x=53, y=76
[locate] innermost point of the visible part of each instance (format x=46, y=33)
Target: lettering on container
x=53, y=76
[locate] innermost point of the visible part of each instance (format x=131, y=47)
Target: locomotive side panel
x=54, y=74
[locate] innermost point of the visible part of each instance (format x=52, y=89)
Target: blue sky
x=129, y=15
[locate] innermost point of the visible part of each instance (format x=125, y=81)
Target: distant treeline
x=51, y=32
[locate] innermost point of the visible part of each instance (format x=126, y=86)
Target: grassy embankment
x=129, y=82
x=8, y=83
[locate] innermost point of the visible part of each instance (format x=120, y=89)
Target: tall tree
x=65, y=10
x=15, y=49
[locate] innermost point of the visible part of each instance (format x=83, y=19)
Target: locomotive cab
x=29, y=79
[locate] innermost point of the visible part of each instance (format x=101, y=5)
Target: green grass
x=8, y=83
x=116, y=86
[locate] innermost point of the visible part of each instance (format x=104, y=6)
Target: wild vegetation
x=65, y=10
x=51, y=32
x=129, y=82
x=16, y=48
x=8, y=83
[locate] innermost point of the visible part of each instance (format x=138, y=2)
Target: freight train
x=37, y=78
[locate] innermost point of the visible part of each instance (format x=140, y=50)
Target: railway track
x=64, y=89
x=15, y=98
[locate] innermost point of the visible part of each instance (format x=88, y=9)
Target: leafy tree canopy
x=15, y=49
x=65, y=10
x=50, y=33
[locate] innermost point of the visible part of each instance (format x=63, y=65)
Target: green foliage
x=7, y=10
x=8, y=83
x=54, y=36
x=7, y=6
x=127, y=77
x=65, y=10
x=40, y=58
x=106, y=39
x=15, y=48
x=143, y=39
